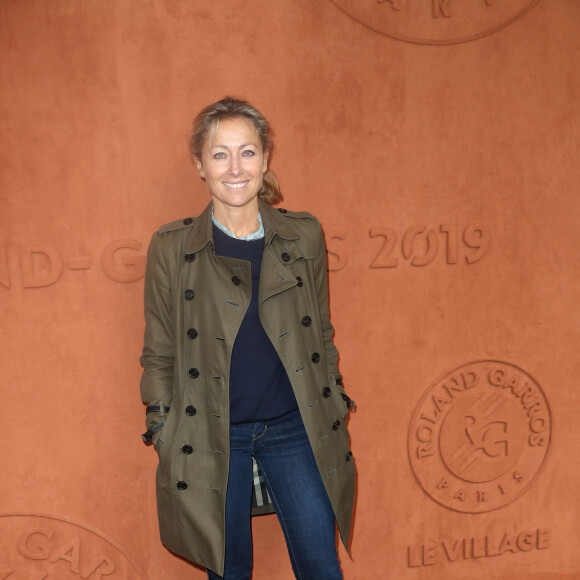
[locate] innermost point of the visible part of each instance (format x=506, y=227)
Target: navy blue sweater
x=259, y=386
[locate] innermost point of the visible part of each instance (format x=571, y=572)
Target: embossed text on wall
x=43, y=264
x=436, y=21
x=42, y=547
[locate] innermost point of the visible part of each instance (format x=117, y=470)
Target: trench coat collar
x=275, y=224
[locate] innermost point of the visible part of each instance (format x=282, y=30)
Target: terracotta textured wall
x=438, y=142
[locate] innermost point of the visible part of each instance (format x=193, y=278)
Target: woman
x=245, y=403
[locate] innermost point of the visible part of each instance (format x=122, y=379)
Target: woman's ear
x=199, y=166
x=265, y=164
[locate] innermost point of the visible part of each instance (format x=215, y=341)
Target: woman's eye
x=219, y=156
x=248, y=153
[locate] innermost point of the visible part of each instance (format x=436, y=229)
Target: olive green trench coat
x=194, y=304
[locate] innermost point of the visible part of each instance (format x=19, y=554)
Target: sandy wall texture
x=438, y=143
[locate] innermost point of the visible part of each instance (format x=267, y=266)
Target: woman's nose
x=235, y=168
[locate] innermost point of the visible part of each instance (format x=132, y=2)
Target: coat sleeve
x=321, y=280
x=158, y=358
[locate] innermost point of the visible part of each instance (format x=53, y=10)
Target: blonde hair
x=207, y=121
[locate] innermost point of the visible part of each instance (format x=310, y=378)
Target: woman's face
x=232, y=164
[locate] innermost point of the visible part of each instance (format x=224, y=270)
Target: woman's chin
x=239, y=199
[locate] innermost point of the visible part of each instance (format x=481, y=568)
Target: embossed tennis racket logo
x=480, y=436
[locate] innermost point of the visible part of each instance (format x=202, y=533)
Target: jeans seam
x=257, y=437
x=282, y=520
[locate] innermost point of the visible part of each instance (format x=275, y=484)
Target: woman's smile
x=237, y=185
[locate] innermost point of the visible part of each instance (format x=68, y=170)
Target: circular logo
x=436, y=21
x=41, y=546
x=480, y=436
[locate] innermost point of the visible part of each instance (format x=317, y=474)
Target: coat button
x=194, y=373
x=306, y=321
x=286, y=257
x=189, y=294
x=348, y=456
x=282, y=210
x=190, y=410
x=189, y=257
x=336, y=426
x=300, y=283
x=187, y=221
x=192, y=333
x=181, y=485
x=236, y=280
x=326, y=392
x=315, y=357
x=187, y=449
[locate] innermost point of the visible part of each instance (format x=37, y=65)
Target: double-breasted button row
x=187, y=449
x=285, y=256
x=348, y=456
x=326, y=392
x=336, y=425
x=300, y=282
x=306, y=321
x=193, y=372
x=236, y=280
x=187, y=221
x=315, y=357
x=181, y=485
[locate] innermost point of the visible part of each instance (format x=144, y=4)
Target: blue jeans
x=283, y=453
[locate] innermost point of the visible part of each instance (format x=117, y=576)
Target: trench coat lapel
x=275, y=277
x=201, y=233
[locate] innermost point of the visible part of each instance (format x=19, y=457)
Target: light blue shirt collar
x=257, y=235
